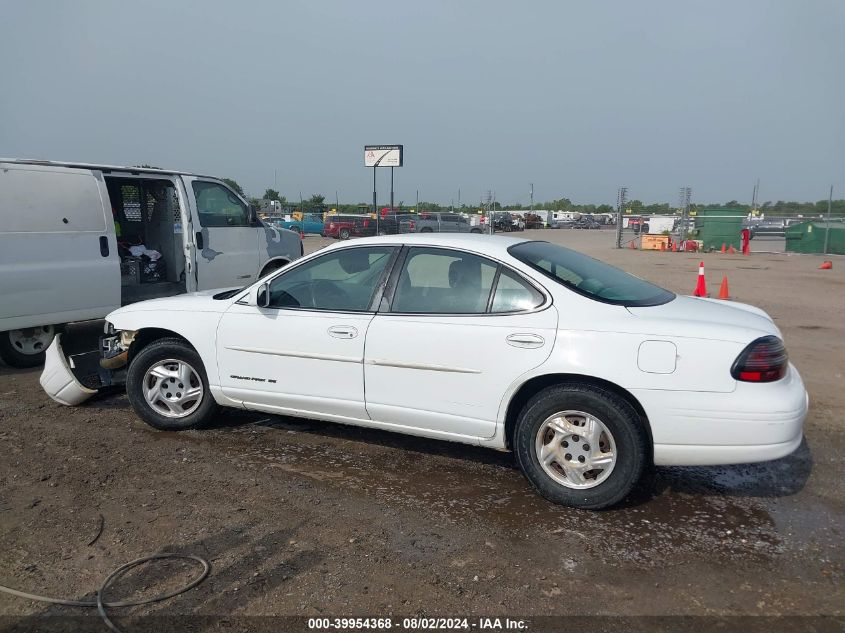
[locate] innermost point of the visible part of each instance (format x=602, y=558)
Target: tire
x=426, y=229
x=475, y=230
x=26, y=347
x=344, y=234
x=623, y=443
x=193, y=416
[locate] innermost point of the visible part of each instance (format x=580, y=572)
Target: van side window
x=217, y=206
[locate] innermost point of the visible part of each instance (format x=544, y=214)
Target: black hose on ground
x=102, y=605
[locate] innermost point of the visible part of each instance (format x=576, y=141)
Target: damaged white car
x=586, y=373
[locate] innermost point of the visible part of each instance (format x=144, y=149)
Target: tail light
x=764, y=360
x=366, y=223
x=412, y=225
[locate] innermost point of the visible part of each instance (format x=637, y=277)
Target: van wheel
x=168, y=388
x=26, y=347
x=272, y=267
x=580, y=445
x=426, y=229
x=475, y=230
x=344, y=234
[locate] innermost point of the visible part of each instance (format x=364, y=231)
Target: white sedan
x=586, y=373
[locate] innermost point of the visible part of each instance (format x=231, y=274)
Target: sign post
x=382, y=156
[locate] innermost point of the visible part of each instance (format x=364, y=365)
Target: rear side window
x=217, y=206
x=440, y=281
x=515, y=295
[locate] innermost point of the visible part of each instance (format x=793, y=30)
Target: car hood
x=202, y=301
x=708, y=318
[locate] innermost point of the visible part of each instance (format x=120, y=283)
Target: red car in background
x=345, y=226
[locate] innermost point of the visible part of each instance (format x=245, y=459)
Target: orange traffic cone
x=674, y=247
x=723, y=289
x=662, y=246
x=826, y=265
x=724, y=248
x=732, y=250
x=701, y=285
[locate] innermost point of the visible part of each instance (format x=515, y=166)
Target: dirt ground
x=315, y=519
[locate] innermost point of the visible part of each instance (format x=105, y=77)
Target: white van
x=78, y=241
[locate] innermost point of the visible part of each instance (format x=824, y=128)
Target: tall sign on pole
x=383, y=156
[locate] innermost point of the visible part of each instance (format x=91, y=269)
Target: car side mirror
x=253, y=215
x=259, y=296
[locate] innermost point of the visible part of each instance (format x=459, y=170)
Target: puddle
x=675, y=515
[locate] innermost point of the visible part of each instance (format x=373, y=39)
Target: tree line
x=779, y=208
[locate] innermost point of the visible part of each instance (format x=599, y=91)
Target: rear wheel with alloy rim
x=167, y=386
x=580, y=445
x=344, y=234
x=26, y=347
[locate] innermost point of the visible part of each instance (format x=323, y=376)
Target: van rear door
x=58, y=253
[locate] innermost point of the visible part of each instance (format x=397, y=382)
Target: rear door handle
x=343, y=331
x=524, y=340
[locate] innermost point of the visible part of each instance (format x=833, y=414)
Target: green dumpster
x=715, y=227
x=808, y=237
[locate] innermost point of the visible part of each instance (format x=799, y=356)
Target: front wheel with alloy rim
x=168, y=388
x=580, y=445
x=26, y=347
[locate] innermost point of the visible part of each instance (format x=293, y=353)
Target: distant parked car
x=436, y=222
x=586, y=222
x=770, y=228
x=311, y=223
x=345, y=226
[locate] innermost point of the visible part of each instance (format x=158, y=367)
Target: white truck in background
x=77, y=241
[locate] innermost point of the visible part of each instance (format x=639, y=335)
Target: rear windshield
x=588, y=276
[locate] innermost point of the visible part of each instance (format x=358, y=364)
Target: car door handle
x=343, y=331
x=525, y=340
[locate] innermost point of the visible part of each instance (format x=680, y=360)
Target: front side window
x=217, y=206
x=345, y=280
x=588, y=276
x=440, y=281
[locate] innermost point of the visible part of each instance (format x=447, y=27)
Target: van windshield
x=588, y=276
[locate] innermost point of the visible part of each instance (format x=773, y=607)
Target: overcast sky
x=576, y=97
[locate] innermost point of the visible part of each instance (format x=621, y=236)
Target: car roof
x=101, y=167
x=491, y=244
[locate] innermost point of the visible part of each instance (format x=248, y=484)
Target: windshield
x=588, y=276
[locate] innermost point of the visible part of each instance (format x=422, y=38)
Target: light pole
x=827, y=224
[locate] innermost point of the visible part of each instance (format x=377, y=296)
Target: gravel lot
x=307, y=518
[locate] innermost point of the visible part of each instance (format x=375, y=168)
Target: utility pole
x=532, y=198
x=621, y=199
x=459, y=196
x=391, y=189
x=827, y=224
